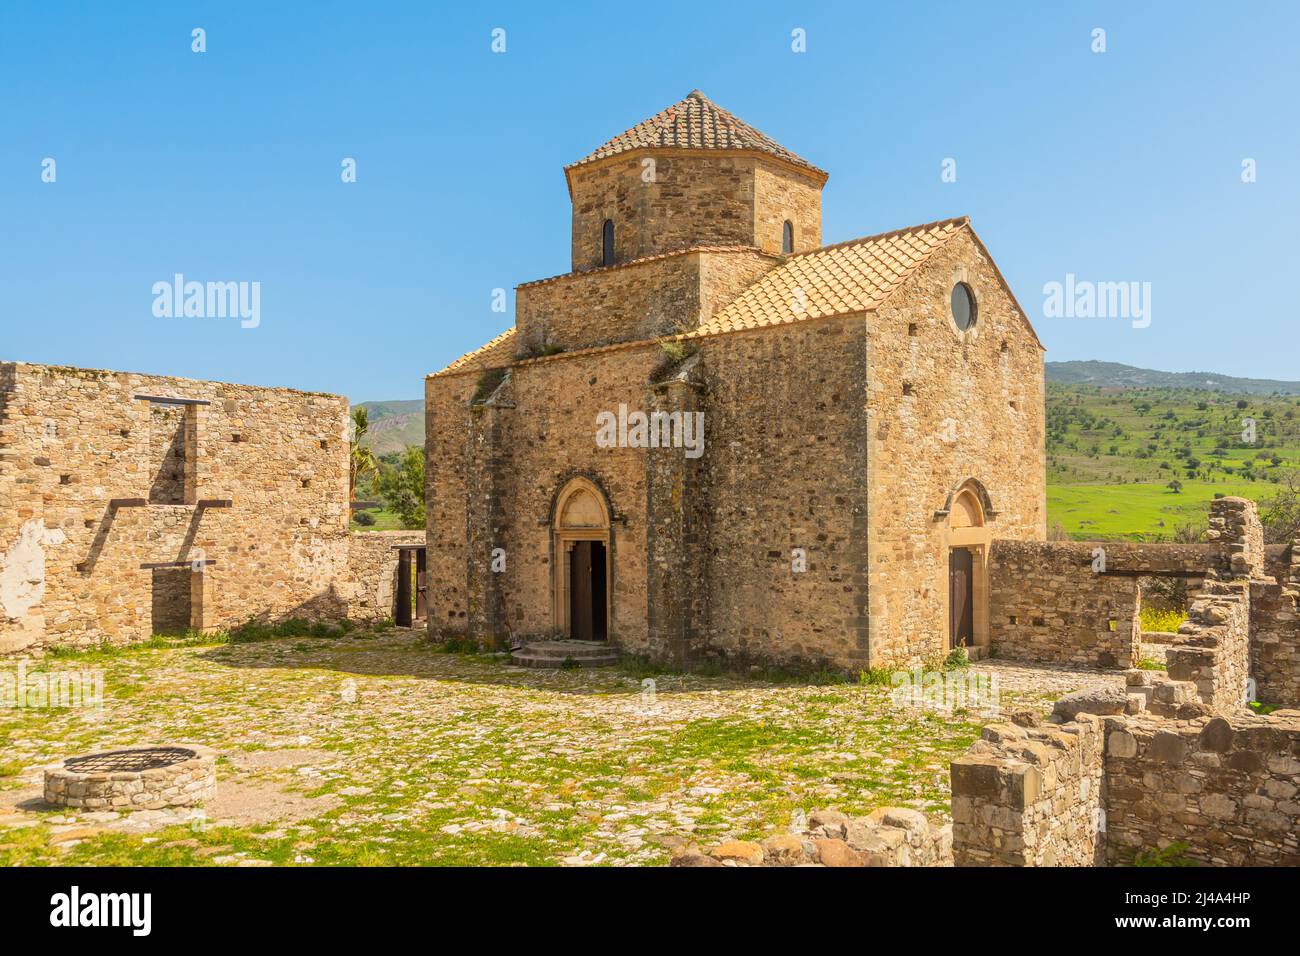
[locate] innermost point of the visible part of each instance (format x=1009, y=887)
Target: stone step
x=555, y=653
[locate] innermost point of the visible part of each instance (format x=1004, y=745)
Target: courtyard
x=377, y=748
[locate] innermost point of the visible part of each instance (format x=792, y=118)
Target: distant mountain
x=1115, y=375
x=394, y=426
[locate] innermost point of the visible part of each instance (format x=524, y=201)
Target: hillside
x=1115, y=375
x=1112, y=453
x=394, y=425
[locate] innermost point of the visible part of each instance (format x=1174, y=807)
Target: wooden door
x=961, y=608
x=421, y=585
x=581, y=620
x=599, y=591
x=402, y=610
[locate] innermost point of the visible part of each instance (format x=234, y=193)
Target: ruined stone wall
x=263, y=486
x=1275, y=632
x=942, y=408
x=1225, y=787
x=371, y=584
x=1212, y=648
x=640, y=300
x=1047, y=603
x=1234, y=522
x=1030, y=796
x=694, y=199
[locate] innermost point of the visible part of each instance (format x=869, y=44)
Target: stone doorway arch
x=582, y=552
x=968, y=538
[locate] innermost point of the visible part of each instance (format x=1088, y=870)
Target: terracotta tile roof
x=500, y=351
x=694, y=123
x=848, y=277
x=853, y=276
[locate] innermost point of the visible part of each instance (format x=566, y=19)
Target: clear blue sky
x=225, y=166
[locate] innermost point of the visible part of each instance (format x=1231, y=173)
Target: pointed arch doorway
x=582, y=562
x=968, y=540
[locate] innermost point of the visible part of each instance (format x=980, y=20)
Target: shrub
x=458, y=645
x=251, y=632
x=364, y=518
x=1162, y=622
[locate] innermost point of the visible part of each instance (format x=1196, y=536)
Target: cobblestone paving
x=377, y=749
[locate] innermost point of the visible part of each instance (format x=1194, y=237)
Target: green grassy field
x=385, y=520
x=1113, y=452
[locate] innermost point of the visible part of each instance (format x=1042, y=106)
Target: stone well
x=138, y=778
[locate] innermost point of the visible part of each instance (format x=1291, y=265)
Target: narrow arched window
x=787, y=237
x=607, y=243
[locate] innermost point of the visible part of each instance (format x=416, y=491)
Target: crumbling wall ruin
x=1212, y=649
x=1275, y=630
x=370, y=591
x=1097, y=790
x=1030, y=796
x=1224, y=786
x=1078, y=602
x=237, y=494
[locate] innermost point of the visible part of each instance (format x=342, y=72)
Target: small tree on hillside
x=402, y=487
x=1280, y=514
x=361, y=460
x=1175, y=486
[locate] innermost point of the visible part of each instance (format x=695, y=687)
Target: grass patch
x=380, y=519
x=1172, y=855
x=253, y=631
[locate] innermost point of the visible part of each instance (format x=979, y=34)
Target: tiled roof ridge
x=686, y=250
x=937, y=224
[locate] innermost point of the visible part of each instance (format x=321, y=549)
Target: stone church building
x=717, y=437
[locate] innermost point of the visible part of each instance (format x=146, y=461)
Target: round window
x=963, y=306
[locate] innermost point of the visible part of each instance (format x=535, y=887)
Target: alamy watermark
x=208, y=300
x=1084, y=299
x=946, y=691
x=636, y=429
x=59, y=688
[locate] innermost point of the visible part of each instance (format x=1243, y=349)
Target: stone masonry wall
x=1275, y=632
x=662, y=295
x=1212, y=648
x=694, y=199
x=943, y=408
x=1234, y=522
x=545, y=434
x=1030, y=796
x=1225, y=787
x=370, y=589
x=1048, y=604
x=785, y=468
x=262, y=503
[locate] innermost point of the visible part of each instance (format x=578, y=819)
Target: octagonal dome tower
x=692, y=175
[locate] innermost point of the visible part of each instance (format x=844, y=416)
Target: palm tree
x=361, y=460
